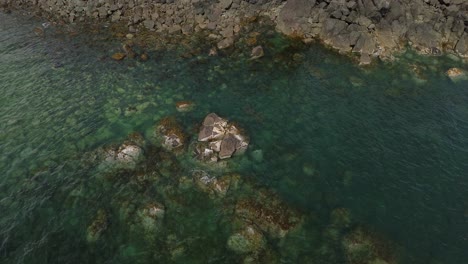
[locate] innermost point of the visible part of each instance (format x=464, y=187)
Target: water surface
x=387, y=142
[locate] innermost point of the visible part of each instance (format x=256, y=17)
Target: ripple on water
x=388, y=143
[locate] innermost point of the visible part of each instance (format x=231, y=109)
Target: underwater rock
x=144, y=57
x=38, y=31
x=98, y=226
x=363, y=247
x=151, y=216
x=184, y=106
x=129, y=51
x=213, y=52
x=249, y=240
x=224, y=139
x=455, y=73
x=215, y=187
x=118, y=56
x=257, y=52
x=171, y=134
x=341, y=218
x=269, y=213
x=125, y=156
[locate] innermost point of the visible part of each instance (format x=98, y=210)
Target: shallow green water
x=389, y=146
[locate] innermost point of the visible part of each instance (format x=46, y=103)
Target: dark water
x=388, y=143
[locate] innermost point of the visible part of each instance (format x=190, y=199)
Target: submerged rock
x=248, y=240
x=97, y=227
x=215, y=187
x=455, y=73
x=126, y=156
x=170, y=134
x=223, y=139
x=118, y=56
x=269, y=213
x=150, y=217
x=257, y=53
x=363, y=247
x=184, y=106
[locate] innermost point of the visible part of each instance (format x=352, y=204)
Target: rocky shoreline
x=368, y=28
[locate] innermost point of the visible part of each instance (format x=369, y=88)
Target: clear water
x=387, y=143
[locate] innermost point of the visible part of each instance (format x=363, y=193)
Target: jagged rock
x=227, y=147
x=223, y=139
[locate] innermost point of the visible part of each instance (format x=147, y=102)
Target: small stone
x=129, y=36
x=118, y=56
x=184, y=106
x=225, y=43
x=39, y=31
x=257, y=52
x=213, y=52
x=144, y=57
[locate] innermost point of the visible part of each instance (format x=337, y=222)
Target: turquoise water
x=386, y=142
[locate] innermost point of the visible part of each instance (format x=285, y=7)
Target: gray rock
x=462, y=46
x=225, y=4
x=257, y=52
x=228, y=146
x=225, y=43
x=149, y=24
x=293, y=16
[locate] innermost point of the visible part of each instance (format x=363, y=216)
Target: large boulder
x=293, y=17
x=219, y=139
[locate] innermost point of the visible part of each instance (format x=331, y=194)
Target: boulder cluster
x=371, y=28
x=220, y=139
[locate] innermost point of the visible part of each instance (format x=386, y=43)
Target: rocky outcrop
x=371, y=28
x=219, y=139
